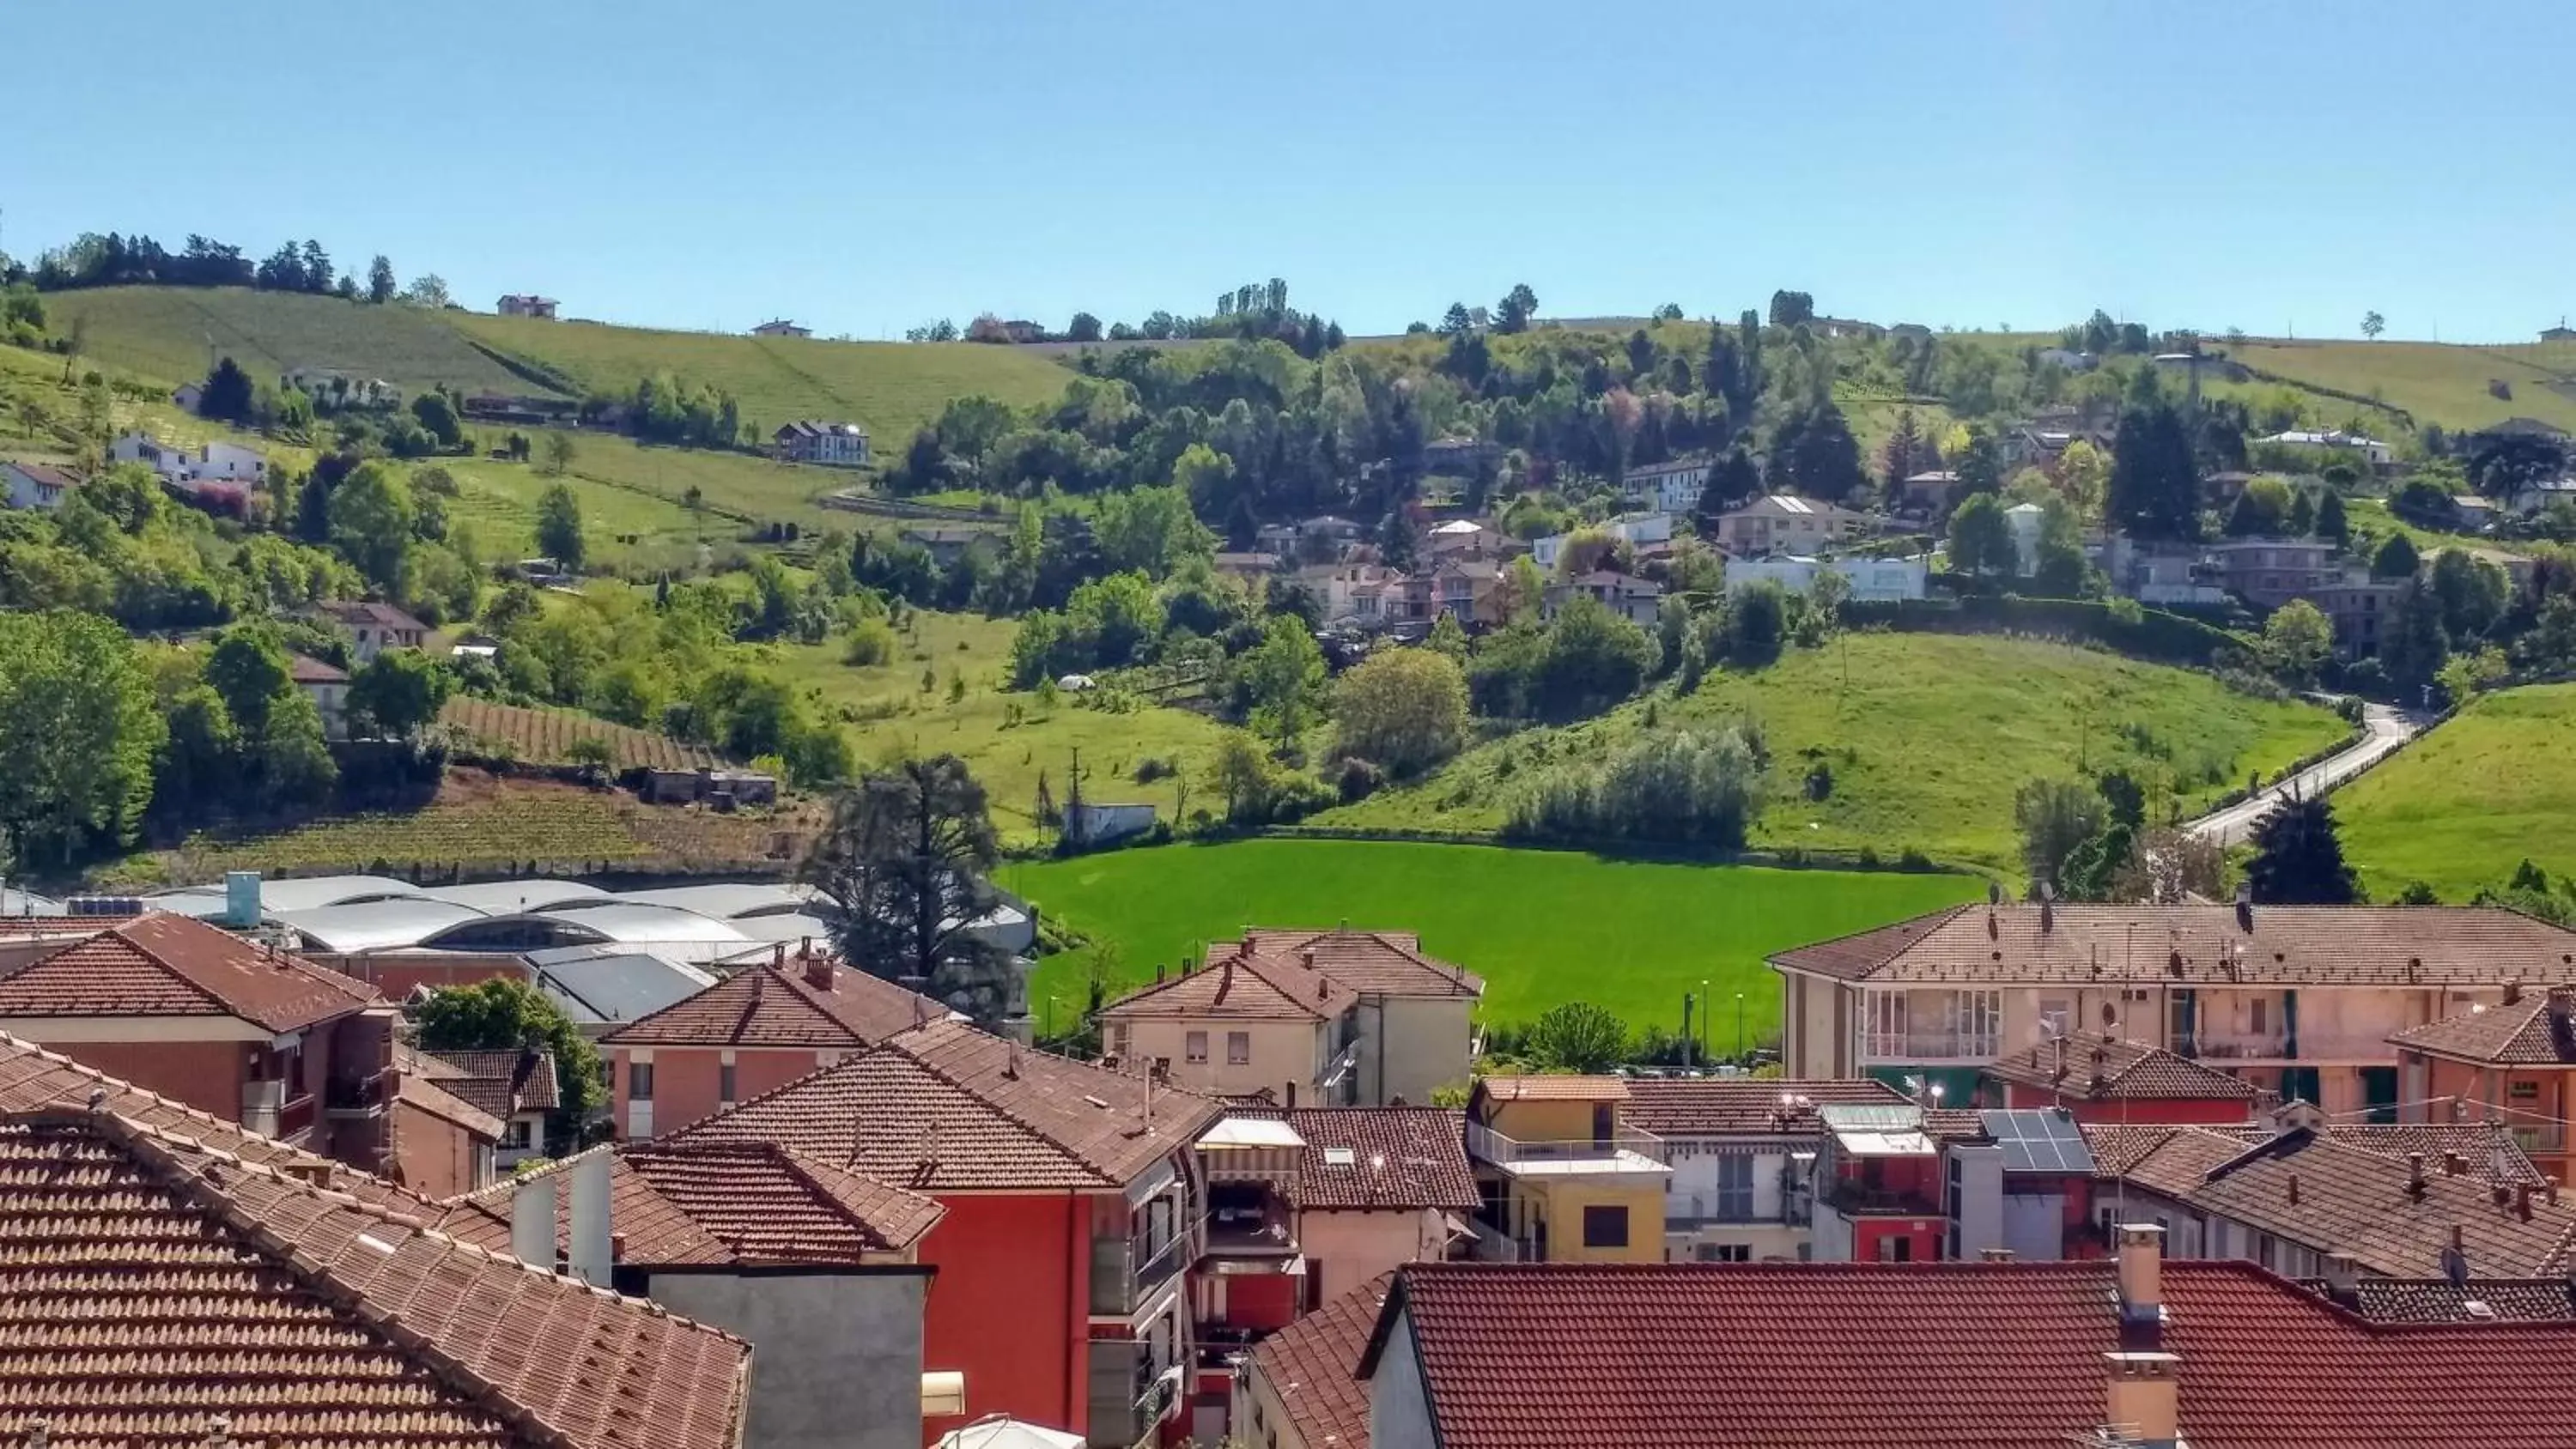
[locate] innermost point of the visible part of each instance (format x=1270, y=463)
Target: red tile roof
x=503, y=1083
x=947, y=1107
x=1536, y=1088
x=434, y=1098
x=1946, y=1356
x=1239, y=987
x=355, y=613
x=2535, y=1031
x=304, y=669
x=2201, y=946
x=741, y=1203
x=154, y=1290
x=170, y=965
x=1744, y=1106
x=1398, y=1157
x=2094, y=1068
x=1311, y=1368
x=1376, y=963
x=2479, y=1300
x=775, y=1006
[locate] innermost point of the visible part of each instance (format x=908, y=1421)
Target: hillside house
x=1020, y=329
x=1787, y=523
x=1469, y=538
x=2162, y=572
x=178, y=468
x=333, y=390
x=327, y=685
x=2066, y=359
x=372, y=626
x=781, y=327
x=946, y=543
x=34, y=485
x=1637, y=530
x=2299, y=1001
x=1631, y=598
x=187, y=397
x=1458, y=454
x=1872, y=580
x=1925, y=493
x=1095, y=822
x=1672, y=487
x=2370, y=450
x=2514, y=1063
x=517, y=304
x=825, y=445
x=2560, y=333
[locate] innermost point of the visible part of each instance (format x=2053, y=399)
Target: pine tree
x=1897, y=459
x=2298, y=859
x=2330, y=520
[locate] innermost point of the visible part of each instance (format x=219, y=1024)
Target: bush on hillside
x=1680, y=788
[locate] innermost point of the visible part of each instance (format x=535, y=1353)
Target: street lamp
x=1739, y=1027
x=1707, y=1032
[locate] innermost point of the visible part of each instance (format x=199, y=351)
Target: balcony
x=2241, y=1045
x=356, y=1096
x=1125, y=1272
x=1623, y=1152
x=1929, y=1046
x=1859, y=1200
x=268, y=1111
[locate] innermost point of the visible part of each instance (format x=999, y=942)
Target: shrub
x=1359, y=780
x=1685, y=787
x=871, y=643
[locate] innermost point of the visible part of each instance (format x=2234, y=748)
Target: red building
x=2514, y=1064
x=748, y=1035
x=2102, y=1079
x=1879, y=1182
x=1072, y=1200
x=246, y=1033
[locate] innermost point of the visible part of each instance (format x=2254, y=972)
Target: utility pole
x=1739, y=1027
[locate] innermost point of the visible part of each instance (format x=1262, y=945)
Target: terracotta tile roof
x=355, y=613
x=1946, y=1356
x=434, y=1098
x=503, y=1083
x=304, y=669
x=2489, y=1152
x=2193, y=945
x=947, y=1107
x=170, y=965
x=1744, y=1106
x=2420, y=1300
x=1954, y=1124
x=151, y=1286
x=2095, y=1068
x=1239, y=987
x=1398, y=1157
x=2323, y=1195
x=1536, y=1088
x=1376, y=963
x=771, y=1005
x=742, y=1203
x=1311, y=1368
x=2532, y=1032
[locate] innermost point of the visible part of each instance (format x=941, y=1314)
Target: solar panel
x=2038, y=1140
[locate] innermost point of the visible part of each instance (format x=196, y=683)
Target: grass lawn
x=2371, y=516
x=165, y=332
x=2461, y=807
x=2437, y=382
x=1926, y=735
x=1541, y=926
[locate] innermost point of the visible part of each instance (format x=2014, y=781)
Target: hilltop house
x=1672, y=487
x=177, y=467
x=34, y=485
x=828, y=445
x=527, y=305
x=1634, y=599
x=2560, y=333
x=1788, y=523
x=372, y=626
x=781, y=327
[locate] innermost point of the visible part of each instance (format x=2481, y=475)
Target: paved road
x=2385, y=728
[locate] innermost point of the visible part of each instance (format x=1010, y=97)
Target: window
x=1194, y=1046
x=1735, y=1188
x=1605, y=1227
x=1724, y=1253
x=1118, y=1041
x=2256, y=1011
x=639, y=1082
x=2522, y=1091
x=1896, y=1249
x=724, y=1083
x=520, y=1135
x=1238, y=1048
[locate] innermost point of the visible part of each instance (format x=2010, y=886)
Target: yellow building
x=1565, y=1179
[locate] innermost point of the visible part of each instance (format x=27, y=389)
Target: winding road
x=2384, y=729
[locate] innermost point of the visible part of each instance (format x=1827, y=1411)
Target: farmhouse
x=373, y=627
x=527, y=305
x=34, y=485
x=781, y=327
x=327, y=685
x=828, y=445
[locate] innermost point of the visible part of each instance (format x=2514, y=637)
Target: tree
x=380, y=280
x=2330, y=519
x=2083, y=477
x=371, y=515
x=249, y=669
x=1592, y=660
x=399, y=692
x=505, y=1013
x=559, y=534
x=1083, y=328
x=1404, y=710
x=2297, y=641
x=1981, y=539
x=1904, y=449
x=2413, y=643
x=559, y=451
x=1757, y=624
x=428, y=290
x=1813, y=452
x=2473, y=592
x=1455, y=322
x=227, y=394
x=1284, y=674
x=2396, y=558
x=2154, y=489
x=2372, y=324
x=78, y=733
x=2061, y=571
x=1788, y=309
x=1578, y=1037
x=902, y=865
x=1514, y=312
x=437, y=417
x=2298, y=859
x=1979, y=463
x=2054, y=817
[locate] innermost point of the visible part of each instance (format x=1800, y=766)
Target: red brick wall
x=206, y=1075
x=433, y=1156
x=1011, y=1306
x=395, y=976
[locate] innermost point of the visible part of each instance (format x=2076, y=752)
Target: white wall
x=1399, y=1407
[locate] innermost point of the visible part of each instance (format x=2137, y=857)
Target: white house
x=520, y=304
x=228, y=463
x=1873, y=580
x=2070, y=360
x=188, y=396
x=828, y=445
x=1637, y=530
x=332, y=389
x=1673, y=487
x=1634, y=599
x=373, y=627
x=2025, y=521
x=34, y=485
x=328, y=687
x=213, y=463
x=2374, y=452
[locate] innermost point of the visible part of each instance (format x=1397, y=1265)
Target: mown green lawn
x=1926, y=737
x=2461, y=807
x=1541, y=926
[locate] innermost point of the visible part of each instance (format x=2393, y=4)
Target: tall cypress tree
x=2298, y=860
x=2155, y=483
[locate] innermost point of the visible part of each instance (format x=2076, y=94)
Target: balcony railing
x=1853, y=1199
x=354, y=1096
x=1928, y=1046
x=1624, y=1150
x=1124, y=1272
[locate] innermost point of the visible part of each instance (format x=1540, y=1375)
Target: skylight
x=1340, y=1157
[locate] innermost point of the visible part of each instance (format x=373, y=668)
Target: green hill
x=2437, y=382
x=2464, y=805
x=1926, y=736
x=165, y=332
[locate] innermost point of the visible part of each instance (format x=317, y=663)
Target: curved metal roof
x=665, y=931
x=305, y=893
x=723, y=900
x=795, y=926
x=501, y=897
x=376, y=925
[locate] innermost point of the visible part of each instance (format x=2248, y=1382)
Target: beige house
x=1313, y=1018
x=1789, y=524
x=2299, y=1000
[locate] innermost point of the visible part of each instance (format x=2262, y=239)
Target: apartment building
x=2298, y=1001
x=1742, y=1154
x=1563, y=1176
x=2513, y=1063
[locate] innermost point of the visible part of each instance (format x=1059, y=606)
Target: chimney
x=2144, y=1406
x=2294, y=1189
x=2245, y=907
x=2513, y=991
x=1306, y=958
x=778, y=954
x=2522, y=1201
x=2415, y=1175
x=2142, y=1247
x=2453, y=1164
x=532, y=1220
x=2342, y=1275
x=1995, y=1255
x=617, y=1247
x=590, y=1217
x=818, y=966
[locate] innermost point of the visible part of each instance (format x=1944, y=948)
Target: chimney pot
x=1995, y=1255
x=2453, y=1165
x=818, y=970
x=2142, y=1248
x=2522, y=1201
x=2549, y=1189
x=778, y=954
x=2143, y=1398
x=2294, y=1189
x=2415, y=1174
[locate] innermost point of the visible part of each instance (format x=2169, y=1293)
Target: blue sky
x=861, y=167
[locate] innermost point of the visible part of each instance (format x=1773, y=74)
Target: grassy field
x=2437, y=382
x=2371, y=515
x=1541, y=927
x=2461, y=807
x=894, y=388
x=165, y=332
x=1926, y=735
